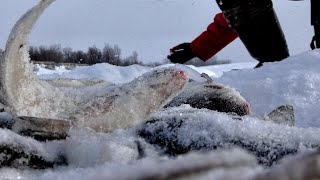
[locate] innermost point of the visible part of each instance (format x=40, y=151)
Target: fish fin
x=282, y=115
x=207, y=77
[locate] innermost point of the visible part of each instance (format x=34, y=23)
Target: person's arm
x=217, y=36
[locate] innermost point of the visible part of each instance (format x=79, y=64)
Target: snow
x=294, y=81
x=122, y=154
x=91, y=155
x=102, y=71
x=41, y=70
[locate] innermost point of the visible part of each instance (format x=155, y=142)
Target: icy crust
x=180, y=130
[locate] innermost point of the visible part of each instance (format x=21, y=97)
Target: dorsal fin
x=282, y=115
x=207, y=77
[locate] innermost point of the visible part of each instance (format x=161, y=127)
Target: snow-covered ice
x=122, y=154
x=294, y=81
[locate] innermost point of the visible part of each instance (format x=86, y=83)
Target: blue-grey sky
x=149, y=27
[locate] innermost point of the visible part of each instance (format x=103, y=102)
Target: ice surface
x=265, y=88
x=287, y=82
x=90, y=154
x=117, y=155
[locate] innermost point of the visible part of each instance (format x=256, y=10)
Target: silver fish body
x=101, y=107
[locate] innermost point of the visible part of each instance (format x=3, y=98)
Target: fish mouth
x=180, y=74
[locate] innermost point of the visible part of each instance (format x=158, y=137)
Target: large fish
x=212, y=96
x=202, y=92
x=183, y=129
x=101, y=107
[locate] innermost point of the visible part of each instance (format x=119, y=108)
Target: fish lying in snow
x=212, y=96
x=23, y=152
x=50, y=108
x=201, y=95
x=101, y=107
x=181, y=129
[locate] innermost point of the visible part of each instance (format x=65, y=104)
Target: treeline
x=108, y=54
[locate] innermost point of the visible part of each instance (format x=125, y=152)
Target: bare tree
x=52, y=54
x=81, y=57
x=117, y=55
x=68, y=56
x=132, y=59
x=111, y=55
x=34, y=53
x=94, y=55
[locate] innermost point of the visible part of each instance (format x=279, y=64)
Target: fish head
x=165, y=83
x=225, y=99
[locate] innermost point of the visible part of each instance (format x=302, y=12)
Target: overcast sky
x=149, y=27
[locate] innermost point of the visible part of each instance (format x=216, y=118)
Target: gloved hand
x=181, y=53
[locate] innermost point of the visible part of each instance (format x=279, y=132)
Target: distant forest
x=108, y=54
